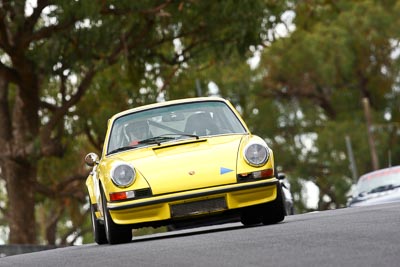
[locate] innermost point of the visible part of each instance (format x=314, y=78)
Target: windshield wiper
x=188, y=135
x=156, y=140
x=378, y=189
x=383, y=188
x=153, y=140
x=165, y=137
x=121, y=149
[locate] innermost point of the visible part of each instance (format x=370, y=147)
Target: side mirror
x=91, y=159
x=281, y=175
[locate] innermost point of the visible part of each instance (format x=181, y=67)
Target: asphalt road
x=365, y=236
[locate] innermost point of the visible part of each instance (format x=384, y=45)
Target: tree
x=53, y=52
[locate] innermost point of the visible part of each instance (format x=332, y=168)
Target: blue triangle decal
x=224, y=170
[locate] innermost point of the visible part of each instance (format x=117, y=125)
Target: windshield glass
x=187, y=120
x=372, y=181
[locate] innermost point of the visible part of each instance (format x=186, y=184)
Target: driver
x=137, y=131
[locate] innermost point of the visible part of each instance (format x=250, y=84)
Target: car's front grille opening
x=198, y=207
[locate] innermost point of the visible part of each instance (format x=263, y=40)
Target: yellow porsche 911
x=180, y=161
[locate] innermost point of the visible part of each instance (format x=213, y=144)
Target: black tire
x=99, y=231
x=115, y=233
x=251, y=216
x=274, y=212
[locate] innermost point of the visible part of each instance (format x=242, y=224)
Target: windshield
x=370, y=182
x=189, y=120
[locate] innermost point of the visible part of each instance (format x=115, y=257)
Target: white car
x=377, y=187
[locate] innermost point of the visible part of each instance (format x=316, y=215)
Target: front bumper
x=159, y=208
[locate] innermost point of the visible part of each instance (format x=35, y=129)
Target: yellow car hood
x=194, y=164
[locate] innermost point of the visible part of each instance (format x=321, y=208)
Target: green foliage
x=340, y=52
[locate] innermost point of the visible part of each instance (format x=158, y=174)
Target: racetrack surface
x=365, y=236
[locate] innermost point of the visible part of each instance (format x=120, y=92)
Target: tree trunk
x=19, y=155
x=20, y=178
x=51, y=221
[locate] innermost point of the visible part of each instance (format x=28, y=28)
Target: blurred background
x=318, y=80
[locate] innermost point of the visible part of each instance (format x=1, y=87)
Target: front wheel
x=274, y=212
x=251, y=215
x=116, y=234
x=99, y=231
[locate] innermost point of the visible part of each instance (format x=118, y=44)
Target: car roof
x=380, y=172
x=168, y=103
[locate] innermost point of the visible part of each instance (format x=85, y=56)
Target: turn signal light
x=251, y=176
x=122, y=195
x=263, y=174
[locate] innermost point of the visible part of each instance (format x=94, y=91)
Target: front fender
x=92, y=184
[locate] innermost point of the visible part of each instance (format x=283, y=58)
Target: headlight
x=123, y=175
x=256, y=154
